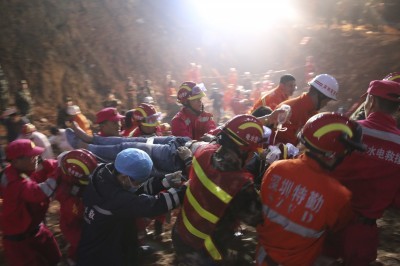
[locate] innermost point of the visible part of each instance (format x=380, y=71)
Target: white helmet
x=326, y=84
x=148, y=99
x=73, y=110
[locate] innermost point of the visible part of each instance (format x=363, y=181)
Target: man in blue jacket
x=117, y=194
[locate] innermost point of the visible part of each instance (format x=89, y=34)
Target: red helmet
x=78, y=164
x=331, y=134
x=147, y=115
x=246, y=131
x=395, y=76
x=190, y=91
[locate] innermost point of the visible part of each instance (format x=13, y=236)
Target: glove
x=184, y=153
x=173, y=180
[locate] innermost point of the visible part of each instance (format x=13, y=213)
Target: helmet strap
x=193, y=110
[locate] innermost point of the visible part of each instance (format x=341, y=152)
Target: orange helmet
x=395, y=76
x=190, y=91
x=78, y=164
x=147, y=115
x=331, y=134
x=246, y=131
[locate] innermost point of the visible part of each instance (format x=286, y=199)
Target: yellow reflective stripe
x=80, y=164
x=211, y=186
x=211, y=248
x=333, y=127
x=141, y=111
x=285, y=152
x=251, y=124
x=200, y=210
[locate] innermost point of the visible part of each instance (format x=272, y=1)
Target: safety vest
x=208, y=195
x=199, y=126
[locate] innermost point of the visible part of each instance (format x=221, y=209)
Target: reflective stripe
x=211, y=186
x=250, y=125
x=168, y=200
x=80, y=164
x=48, y=186
x=101, y=210
x=333, y=127
x=4, y=180
x=174, y=195
x=200, y=210
x=260, y=256
x=289, y=225
x=383, y=135
x=208, y=243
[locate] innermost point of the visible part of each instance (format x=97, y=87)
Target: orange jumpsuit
x=301, y=203
x=271, y=99
x=302, y=109
x=83, y=123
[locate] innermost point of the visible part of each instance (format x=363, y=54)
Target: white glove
x=173, y=180
x=184, y=153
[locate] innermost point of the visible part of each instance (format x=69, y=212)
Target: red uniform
x=206, y=200
x=26, y=240
x=301, y=203
x=71, y=213
x=271, y=99
x=186, y=124
x=373, y=179
x=302, y=109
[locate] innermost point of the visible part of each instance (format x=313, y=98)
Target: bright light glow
x=248, y=15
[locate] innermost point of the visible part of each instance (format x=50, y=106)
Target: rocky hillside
x=85, y=48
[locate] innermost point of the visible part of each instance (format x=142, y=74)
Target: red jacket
x=373, y=176
x=301, y=202
x=24, y=202
x=187, y=124
x=207, y=197
x=71, y=213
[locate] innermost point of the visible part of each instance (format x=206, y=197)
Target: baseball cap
x=22, y=147
x=385, y=89
x=134, y=163
x=108, y=114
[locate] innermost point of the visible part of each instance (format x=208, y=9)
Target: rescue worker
x=118, y=193
x=285, y=89
x=301, y=201
x=74, y=114
x=356, y=112
x=191, y=121
x=148, y=120
x=109, y=121
x=26, y=186
x=76, y=166
x=29, y=131
x=373, y=176
x=323, y=88
x=220, y=194
x=129, y=124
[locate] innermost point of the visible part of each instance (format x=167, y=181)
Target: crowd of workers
x=311, y=183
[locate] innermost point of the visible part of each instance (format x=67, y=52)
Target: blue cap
x=134, y=163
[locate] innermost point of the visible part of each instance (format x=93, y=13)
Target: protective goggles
x=152, y=121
